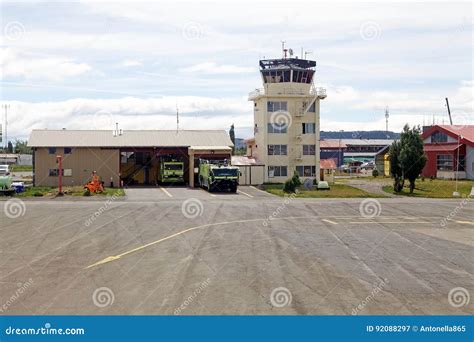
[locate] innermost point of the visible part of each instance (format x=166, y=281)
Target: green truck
x=218, y=175
x=171, y=171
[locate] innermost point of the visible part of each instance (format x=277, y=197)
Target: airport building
x=130, y=157
x=286, y=120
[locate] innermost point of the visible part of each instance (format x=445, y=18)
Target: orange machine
x=94, y=186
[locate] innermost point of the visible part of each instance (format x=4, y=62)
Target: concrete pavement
x=191, y=252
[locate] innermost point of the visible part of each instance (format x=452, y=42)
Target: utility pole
x=386, y=122
x=449, y=112
x=6, y=107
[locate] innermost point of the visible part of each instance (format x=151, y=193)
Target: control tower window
x=302, y=76
x=276, y=76
x=274, y=106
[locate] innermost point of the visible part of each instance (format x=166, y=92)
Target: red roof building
x=449, y=149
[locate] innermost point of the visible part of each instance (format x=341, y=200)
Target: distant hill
x=360, y=135
x=239, y=143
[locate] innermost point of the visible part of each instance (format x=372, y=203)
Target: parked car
x=368, y=165
x=4, y=170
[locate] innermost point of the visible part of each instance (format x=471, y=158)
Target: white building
x=286, y=119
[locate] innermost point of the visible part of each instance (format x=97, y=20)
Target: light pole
x=456, y=193
x=6, y=107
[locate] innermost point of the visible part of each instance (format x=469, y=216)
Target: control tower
x=286, y=119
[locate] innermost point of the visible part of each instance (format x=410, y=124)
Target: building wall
x=82, y=161
x=469, y=162
x=294, y=139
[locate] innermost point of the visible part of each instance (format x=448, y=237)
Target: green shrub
x=289, y=186
x=375, y=173
x=296, y=179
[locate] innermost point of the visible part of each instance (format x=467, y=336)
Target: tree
x=412, y=158
x=232, y=137
x=10, y=147
x=395, y=167
x=21, y=147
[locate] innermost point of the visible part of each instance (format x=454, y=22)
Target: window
x=302, y=76
x=444, y=162
x=52, y=150
x=309, y=128
x=277, y=171
x=274, y=106
x=438, y=137
x=277, y=128
x=67, y=150
x=277, y=150
x=462, y=163
x=276, y=76
x=306, y=170
x=309, y=150
x=54, y=172
x=312, y=108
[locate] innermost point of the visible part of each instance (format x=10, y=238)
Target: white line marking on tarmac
x=329, y=221
x=244, y=193
x=266, y=193
x=166, y=192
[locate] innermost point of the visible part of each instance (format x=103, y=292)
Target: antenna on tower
x=177, y=118
x=386, y=120
x=283, y=49
x=306, y=53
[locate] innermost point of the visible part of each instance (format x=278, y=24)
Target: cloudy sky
x=88, y=64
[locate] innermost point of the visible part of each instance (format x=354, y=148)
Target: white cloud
x=213, y=68
x=131, y=113
x=27, y=66
x=131, y=63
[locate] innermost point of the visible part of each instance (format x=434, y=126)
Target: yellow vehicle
x=218, y=175
x=171, y=170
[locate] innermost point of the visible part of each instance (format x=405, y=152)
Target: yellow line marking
x=329, y=221
x=166, y=192
x=115, y=257
x=244, y=193
x=386, y=222
x=465, y=222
